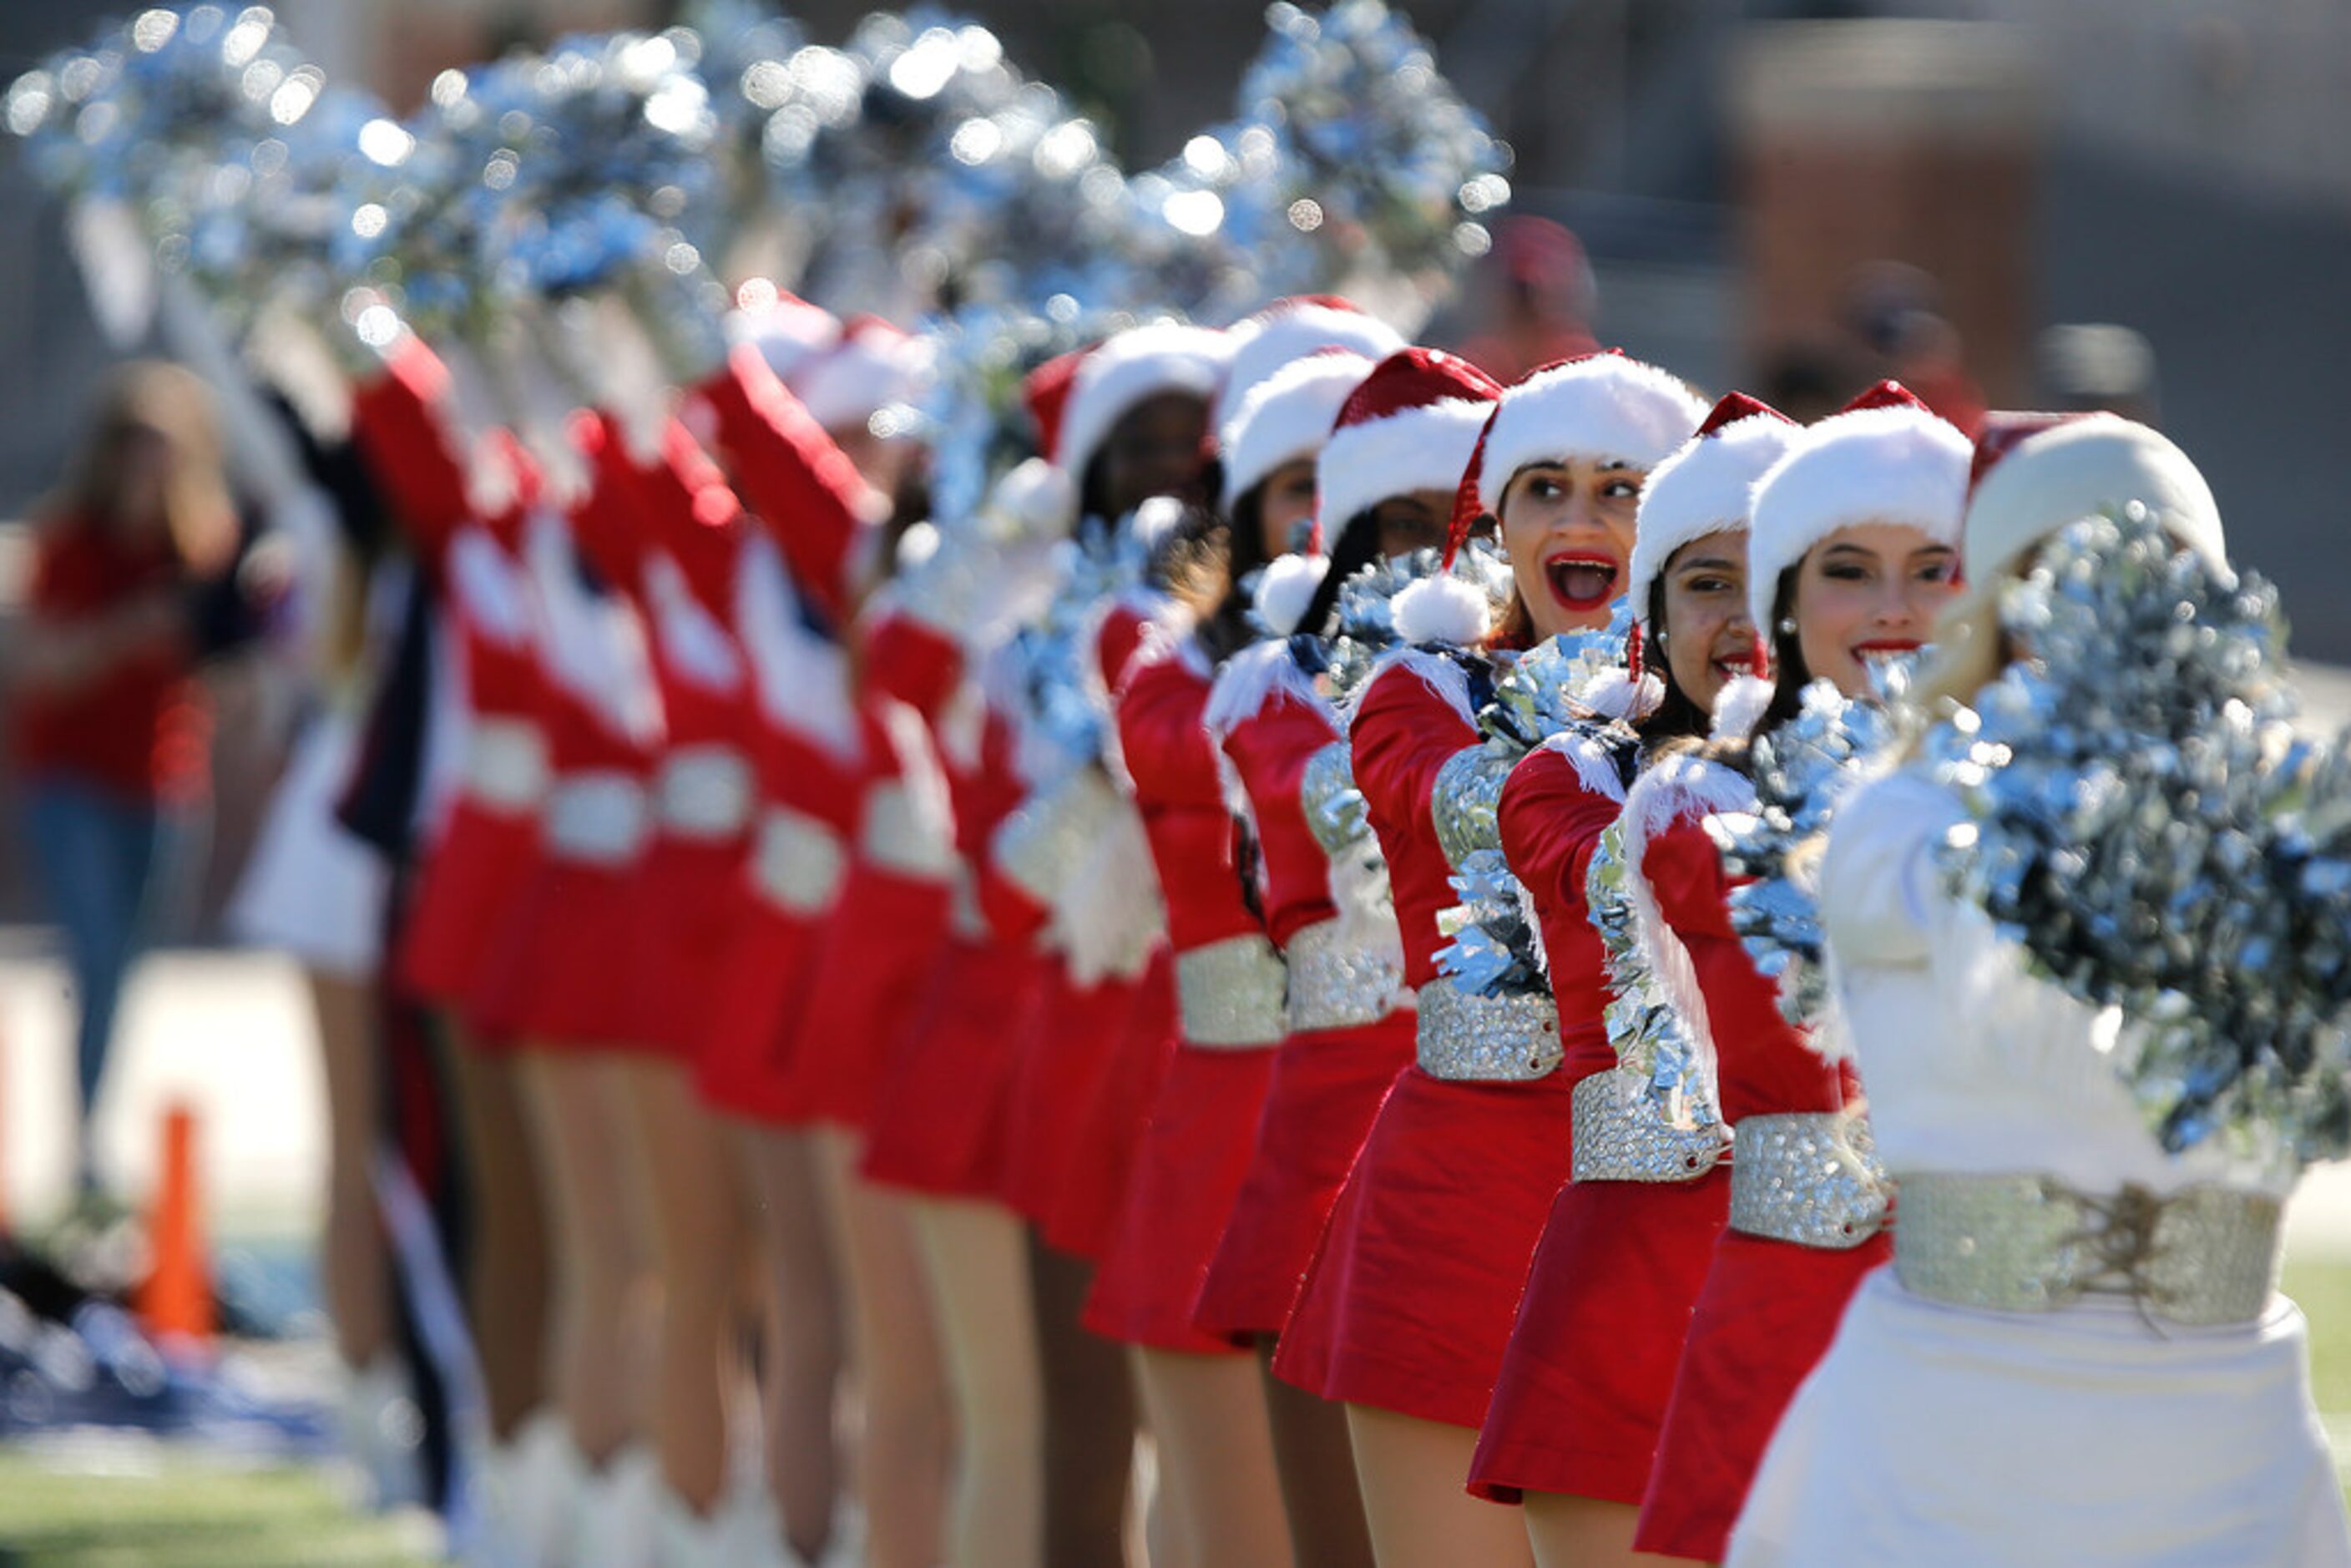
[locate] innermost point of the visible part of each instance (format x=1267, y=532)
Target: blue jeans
x=102, y=859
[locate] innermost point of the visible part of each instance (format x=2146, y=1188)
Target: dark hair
x=1201, y=564
x=1790, y=673
x=1679, y=717
x=1355, y=547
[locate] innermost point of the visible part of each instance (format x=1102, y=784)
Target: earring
x=1786, y=626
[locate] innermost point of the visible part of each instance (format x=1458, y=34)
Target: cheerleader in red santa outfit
x=1808, y=1205
x=1132, y=426
x=1577, y=1393
x=1425, y=1227
x=937, y=1132
x=1347, y=1032
x=463, y=501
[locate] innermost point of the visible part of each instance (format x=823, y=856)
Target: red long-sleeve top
x=1270, y=750
x=1552, y=819
x=1180, y=796
x=1401, y=735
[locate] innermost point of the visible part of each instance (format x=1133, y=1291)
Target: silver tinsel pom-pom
x=2145, y=823
x=1643, y=1027
x=1801, y=771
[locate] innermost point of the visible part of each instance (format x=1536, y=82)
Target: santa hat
x=1599, y=408
x=1704, y=488
x=1882, y=458
x=1046, y=392
x=1410, y=425
x=872, y=366
x=1287, y=416
x=788, y=332
x=1132, y=368
x=1290, y=330
x=2033, y=473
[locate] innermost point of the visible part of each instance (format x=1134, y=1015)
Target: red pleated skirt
x=1764, y=1317
x=1583, y=1388
x=567, y=965
x=1410, y=1297
x=872, y=971
x=1057, y=1066
x=1325, y=1091
x=939, y=1125
x=1189, y=1169
x=1083, y=1215
x=472, y=875
x=757, y=995
x=692, y=892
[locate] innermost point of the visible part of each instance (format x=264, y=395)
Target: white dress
x=1936, y=1434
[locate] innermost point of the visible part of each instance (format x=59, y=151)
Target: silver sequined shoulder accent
x=1333, y=806
x=1466, y=803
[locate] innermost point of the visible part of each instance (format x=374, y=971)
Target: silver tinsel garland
x=2145, y=823
x=1643, y=1027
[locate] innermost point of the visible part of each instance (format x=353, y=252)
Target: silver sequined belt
x=1486, y=1040
x=796, y=861
x=1229, y=993
x=907, y=834
x=1620, y=1134
x=505, y=764
x=1040, y=846
x=704, y=792
x=600, y=817
x=1808, y=1177
x=2202, y=1256
x=1338, y=984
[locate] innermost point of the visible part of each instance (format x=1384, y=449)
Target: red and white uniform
x=1347, y=1034
x=1409, y=1300
x=1230, y=985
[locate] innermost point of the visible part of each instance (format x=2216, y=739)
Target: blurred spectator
x=1893, y=308
x=134, y=584
x=2084, y=366
x=1536, y=297
x=1808, y=380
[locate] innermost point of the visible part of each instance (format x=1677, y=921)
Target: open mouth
x=1581, y=583
x=1874, y=655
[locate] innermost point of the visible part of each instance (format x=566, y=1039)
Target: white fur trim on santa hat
x=1603, y=409
x=1442, y=608
x=1871, y=466
x=1739, y=707
x=1286, y=333
x=787, y=333
x=1287, y=416
x=1701, y=489
x=1422, y=448
x=867, y=371
x=1285, y=588
x=1126, y=370
x=2077, y=470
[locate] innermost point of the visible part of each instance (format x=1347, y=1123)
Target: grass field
x=107, y=1505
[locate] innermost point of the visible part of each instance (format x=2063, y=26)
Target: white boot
x=616, y=1520
x=741, y=1531
x=529, y=1490
x=382, y=1434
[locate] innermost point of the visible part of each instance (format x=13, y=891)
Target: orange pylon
x=175, y=1303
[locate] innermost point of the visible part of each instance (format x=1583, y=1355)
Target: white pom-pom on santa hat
x=1885, y=458
x=1155, y=522
x=1035, y=500
x=1287, y=416
x=786, y=330
x=1739, y=707
x=1289, y=330
x=1443, y=608
x=1285, y=588
x=1128, y=369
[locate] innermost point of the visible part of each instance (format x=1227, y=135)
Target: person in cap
x=1994, y=1395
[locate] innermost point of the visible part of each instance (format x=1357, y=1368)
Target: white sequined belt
x=1485, y=1039
x=1808, y=1177
x=1621, y=1134
x=704, y=792
x=797, y=861
x=1335, y=983
x=2199, y=1257
x=899, y=834
x=600, y=817
x=1229, y=993
x=505, y=764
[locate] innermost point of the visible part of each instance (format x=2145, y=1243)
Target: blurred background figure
x=1894, y=309
x=2086, y=366
x=1534, y=296
x=135, y=586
